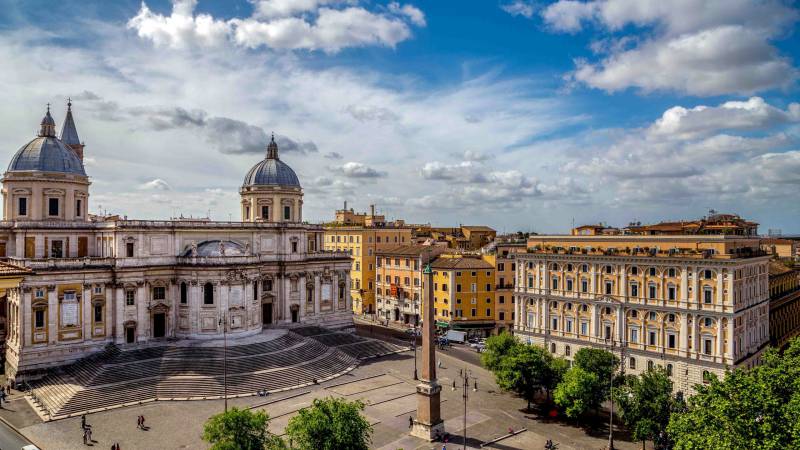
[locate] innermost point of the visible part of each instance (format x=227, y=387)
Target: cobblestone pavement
x=385, y=385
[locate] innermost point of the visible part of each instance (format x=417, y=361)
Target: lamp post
x=224, y=357
x=465, y=376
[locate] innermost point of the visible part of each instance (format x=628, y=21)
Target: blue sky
x=517, y=114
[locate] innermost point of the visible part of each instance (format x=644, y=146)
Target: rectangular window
x=634, y=336
x=473, y=287
x=671, y=341
x=584, y=328
x=554, y=324
x=707, y=347
x=38, y=319
x=609, y=287
x=569, y=284
x=488, y=312
x=652, y=291
x=22, y=208
x=129, y=249
x=569, y=325
x=555, y=284
x=130, y=297
x=159, y=293
x=584, y=286
x=707, y=295
x=502, y=315
x=52, y=206
x=265, y=212
x=98, y=313
x=634, y=290
x=651, y=338
x=608, y=332
x=501, y=299
x=294, y=246
x=671, y=292
x=287, y=213
x=77, y=208
x=57, y=249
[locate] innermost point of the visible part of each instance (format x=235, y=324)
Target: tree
x=578, y=392
x=645, y=403
x=756, y=408
x=240, y=429
x=524, y=370
x=599, y=362
x=557, y=368
x=330, y=424
x=497, y=348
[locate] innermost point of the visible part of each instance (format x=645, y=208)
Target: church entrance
x=130, y=335
x=266, y=313
x=295, y=313
x=159, y=325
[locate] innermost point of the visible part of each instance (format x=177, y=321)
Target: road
x=10, y=439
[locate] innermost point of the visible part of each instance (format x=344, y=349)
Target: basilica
x=94, y=280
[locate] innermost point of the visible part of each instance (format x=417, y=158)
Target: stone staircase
x=183, y=372
x=356, y=346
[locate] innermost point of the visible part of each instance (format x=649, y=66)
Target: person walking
x=410, y=422
x=89, y=434
x=85, y=436
x=143, y=421
x=139, y=422
x=83, y=422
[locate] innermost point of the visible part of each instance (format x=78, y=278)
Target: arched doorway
x=159, y=321
x=295, y=310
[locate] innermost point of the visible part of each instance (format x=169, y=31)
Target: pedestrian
x=85, y=437
x=410, y=422
x=143, y=421
x=89, y=434
x=83, y=421
x=139, y=422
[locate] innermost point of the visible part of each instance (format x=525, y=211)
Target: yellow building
x=464, y=294
x=363, y=243
x=398, y=281
x=502, y=258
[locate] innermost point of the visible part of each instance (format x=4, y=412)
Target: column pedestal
x=428, y=425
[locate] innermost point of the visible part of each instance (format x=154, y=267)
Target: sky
x=521, y=115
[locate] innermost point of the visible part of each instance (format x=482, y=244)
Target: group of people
x=87, y=432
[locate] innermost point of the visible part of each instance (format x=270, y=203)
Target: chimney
x=372, y=210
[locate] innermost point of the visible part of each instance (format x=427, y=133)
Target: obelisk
x=428, y=424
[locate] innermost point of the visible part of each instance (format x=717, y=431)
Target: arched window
x=553, y=347
x=567, y=350
x=669, y=370
x=208, y=294
x=632, y=362
x=706, y=376
x=649, y=365
x=184, y=293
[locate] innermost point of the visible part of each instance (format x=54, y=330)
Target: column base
x=428, y=431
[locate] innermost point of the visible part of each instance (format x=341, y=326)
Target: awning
x=472, y=326
x=442, y=324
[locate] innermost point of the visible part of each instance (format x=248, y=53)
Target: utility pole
x=465, y=376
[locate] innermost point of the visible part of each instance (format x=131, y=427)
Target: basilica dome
x=47, y=153
x=271, y=171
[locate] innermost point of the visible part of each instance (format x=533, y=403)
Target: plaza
x=384, y=384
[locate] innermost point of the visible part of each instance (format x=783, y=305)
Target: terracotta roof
x=776, y=268
x=406, y=250
x=11, y=269
x=460, y=263
x=777, y=241
x=477, y=228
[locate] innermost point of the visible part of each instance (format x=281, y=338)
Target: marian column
x=428, y=424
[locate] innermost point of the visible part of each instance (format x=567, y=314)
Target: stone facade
x=689, y=314
x=101, y=280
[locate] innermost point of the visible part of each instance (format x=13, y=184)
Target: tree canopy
x=645, y=403
x=526, y=369
x=578, y=392
x=497, y=348
x=600, y=362
x=240, y=429
x=330, y=424
x=755, y=408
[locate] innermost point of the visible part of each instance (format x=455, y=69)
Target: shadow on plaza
x=594, y=423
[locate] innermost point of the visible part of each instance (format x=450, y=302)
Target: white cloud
x=359, y=170
x=280, y=24
x=156, y=184
x=519, y=8
x=714, y=48
x=752, y=114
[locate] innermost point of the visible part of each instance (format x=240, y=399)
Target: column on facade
x=335, y=290
x=620, y=324
x=720, y=339
x=303, y=299
x=286, y=283
x=194, y=306
x=730, y=297
x=110, y=325
x=546, y=281
x=684, y=338
x=719, y=300
x=695, y=283
x=729, y=351
x=317, y=292
x=622, y=289
x=684, y=295
x=593, y=279
x=88, y=311
x=143, y=317
x=22, y=319
x=119, y=316
x=695, y=334
x=52, y=313
x=348, y=300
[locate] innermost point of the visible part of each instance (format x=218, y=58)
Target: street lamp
x=224, y=357
x=465, y=376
